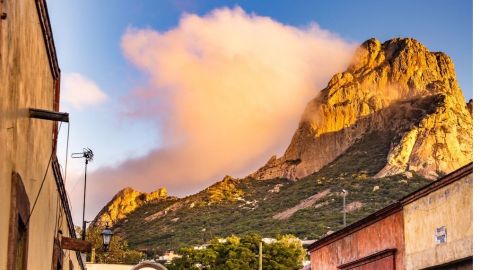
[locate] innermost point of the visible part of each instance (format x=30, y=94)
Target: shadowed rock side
x=124, y=202
x=398, y=87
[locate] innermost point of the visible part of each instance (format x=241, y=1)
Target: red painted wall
x=381, y=235
x=386, y=263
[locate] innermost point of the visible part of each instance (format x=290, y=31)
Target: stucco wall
x=26, y=144
x=384, y=234
x=450, y=206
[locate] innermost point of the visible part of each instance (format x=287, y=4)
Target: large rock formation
x=124, y=202
x=398, y=88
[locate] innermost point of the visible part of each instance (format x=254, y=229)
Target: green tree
x=195, y=259
x=234, y=253
x=286, y=253
x=118, y=251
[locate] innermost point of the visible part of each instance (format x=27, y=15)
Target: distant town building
x=34, y=210
x=168, y=257
x=268, y=240
x=428, y=229
x=307, y=242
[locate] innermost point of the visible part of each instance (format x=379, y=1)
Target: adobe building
x=376, y=241
x=438, y=223
x=35, y=216
x=429, y=229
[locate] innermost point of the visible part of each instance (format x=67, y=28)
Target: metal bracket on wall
x=48, y=115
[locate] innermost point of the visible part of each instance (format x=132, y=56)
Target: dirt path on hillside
x=303, y=204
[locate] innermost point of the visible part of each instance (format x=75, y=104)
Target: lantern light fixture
x=106, y=237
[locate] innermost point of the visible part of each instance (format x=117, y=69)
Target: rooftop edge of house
x=394, y=207
x=46, y=27
x=44, y=18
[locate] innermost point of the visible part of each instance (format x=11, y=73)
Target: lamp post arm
x=84, y=195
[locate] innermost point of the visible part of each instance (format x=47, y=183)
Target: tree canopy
x=242, y=253
x=118, y=251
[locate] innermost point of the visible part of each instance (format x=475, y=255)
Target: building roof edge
x=48, y=37
x=395, y=207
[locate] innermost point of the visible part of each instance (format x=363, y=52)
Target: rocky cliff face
x=124, y=202
x=398, y=88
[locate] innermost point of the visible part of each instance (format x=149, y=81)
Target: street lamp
x=344, y=192
x=106, y=237
x=88, y=155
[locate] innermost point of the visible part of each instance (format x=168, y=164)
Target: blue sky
x=88, y=35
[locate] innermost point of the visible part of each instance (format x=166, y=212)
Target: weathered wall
x=381, y=235
x=26, y=144
x=450, y=206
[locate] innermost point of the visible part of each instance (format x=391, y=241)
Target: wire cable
x=66, y=152
x=43, y=181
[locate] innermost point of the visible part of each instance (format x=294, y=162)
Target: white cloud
x=80, y=92
x=226, y=90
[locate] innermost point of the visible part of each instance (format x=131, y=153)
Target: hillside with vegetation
x=395, y=120
x=252, y=206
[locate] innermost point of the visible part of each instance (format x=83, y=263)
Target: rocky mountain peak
x=124, y=202
x=395, y=114
x=398, y=88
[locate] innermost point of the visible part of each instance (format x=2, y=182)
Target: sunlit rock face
x=124, y=202
x=398, y=88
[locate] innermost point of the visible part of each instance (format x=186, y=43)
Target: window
x=18, y=228
x=57, y=257
x=384, y=260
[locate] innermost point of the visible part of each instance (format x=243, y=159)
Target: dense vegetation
x=244, y=206
x=243, y=253
x=118, y=250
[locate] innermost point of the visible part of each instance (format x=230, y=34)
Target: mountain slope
x=195, y=219
x=380, y=130
x=126, y=201
x=398, y=86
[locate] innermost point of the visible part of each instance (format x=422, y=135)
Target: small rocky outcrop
x=124, y=202
x=398, y=87
x=470, y=106
x=225, y=190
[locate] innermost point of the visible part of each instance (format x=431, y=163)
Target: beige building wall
x=27, y=81
x=451, y=207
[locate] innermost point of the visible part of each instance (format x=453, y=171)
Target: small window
x=18, y=227
x=57, y=257
x=21, y=246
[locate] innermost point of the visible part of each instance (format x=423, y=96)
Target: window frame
x=19, y=212
x=387, y=253
x=57, y=256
